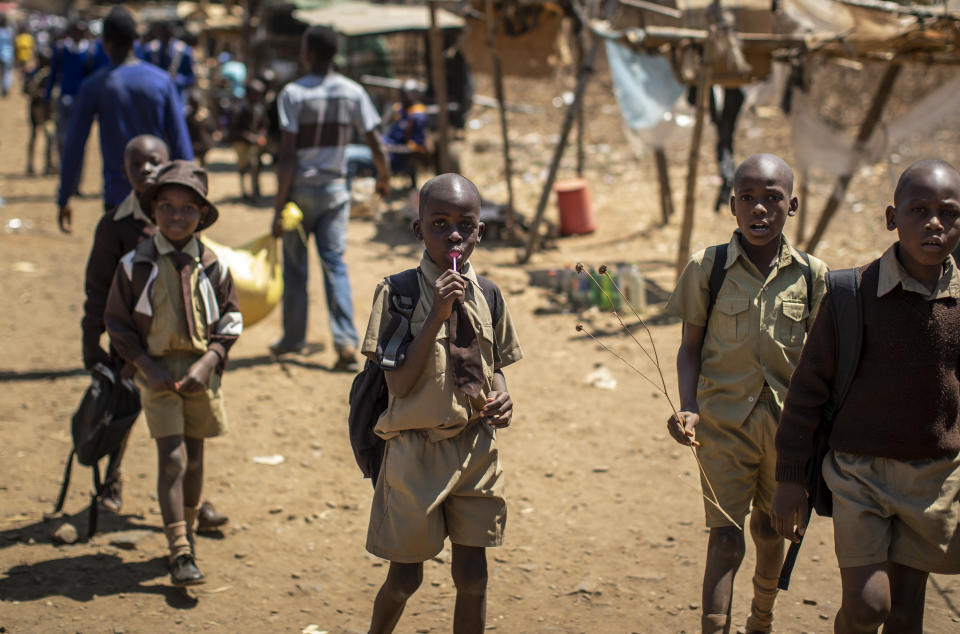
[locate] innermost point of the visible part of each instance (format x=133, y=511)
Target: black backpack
x=843, y=293
x=368, y=393
x=107, y=410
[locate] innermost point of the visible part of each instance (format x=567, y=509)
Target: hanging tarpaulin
x=647, y=93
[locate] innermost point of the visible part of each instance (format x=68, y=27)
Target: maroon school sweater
x=904, y=400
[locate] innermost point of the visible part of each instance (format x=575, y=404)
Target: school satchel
x=107, y=410
x=843, y=293
x=369, y=395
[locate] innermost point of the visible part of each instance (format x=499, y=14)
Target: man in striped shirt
x=318, y=114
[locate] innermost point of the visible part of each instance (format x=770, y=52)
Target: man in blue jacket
x=128, y=98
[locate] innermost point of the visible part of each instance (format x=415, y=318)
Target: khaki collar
x=787, y=253
x=131, y=207
x=192, y=248
x=892, y=274
x=431, y=271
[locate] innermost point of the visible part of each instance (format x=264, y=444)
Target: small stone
x=66, y=533
x=601, y=469
x=694, y=606
x=809, y=602
x=275, y=510
x=128, y=540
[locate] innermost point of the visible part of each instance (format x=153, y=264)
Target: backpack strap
x=717, y=275
x=404, y=295
x=494, y=299
x=65, y=485
x=843, y=289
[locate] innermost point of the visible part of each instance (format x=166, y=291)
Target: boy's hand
x=383, y=187
x=198, y=375
x=449, y=287
x=499, y=409
x=683, y=432
x=790, y=502
x=276, y=228
x=158, y=377
x=65, y=218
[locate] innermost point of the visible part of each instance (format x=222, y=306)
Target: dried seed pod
x=579, y=267
x=603, y=269
x=579, y=327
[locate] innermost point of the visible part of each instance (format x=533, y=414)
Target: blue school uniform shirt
x=128, y=100
x=73, y=62
x=175, y=53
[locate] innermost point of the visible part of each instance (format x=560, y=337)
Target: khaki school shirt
x=892, y=273
x=169, y=331
x=434, y=403
x=756, y=329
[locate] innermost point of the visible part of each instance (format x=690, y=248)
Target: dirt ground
x=605, y=530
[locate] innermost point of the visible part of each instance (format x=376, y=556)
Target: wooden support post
x=439, y=74
x=586, y=70
x=583, y=77
x=580, y=48
x=803, y=192
x=663, y=176
x=497, y=71
x=686, y=230
x=866, y=131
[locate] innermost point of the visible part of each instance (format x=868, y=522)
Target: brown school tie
x=183, y=262
x=465, y=352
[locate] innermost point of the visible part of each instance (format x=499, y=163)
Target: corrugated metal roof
x=362, y=18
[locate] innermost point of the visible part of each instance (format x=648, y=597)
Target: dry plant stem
x=628, y=364
x=622, y=325
x=719, y=508
x=642, y=323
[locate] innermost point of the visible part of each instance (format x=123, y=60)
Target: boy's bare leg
x=769, y=561
x=193, y=478
x=402, y=581
x=908, y=589
x=30, y=146
x=171, y=467
x=469, y=570
x=866, y=599
x=193, y=486
x=725, y=550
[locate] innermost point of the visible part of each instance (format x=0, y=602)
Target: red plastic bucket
x=573, y=202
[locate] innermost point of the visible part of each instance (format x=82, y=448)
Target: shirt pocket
x=791, y=325
x=731, y=318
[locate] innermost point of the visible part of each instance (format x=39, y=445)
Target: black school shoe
x=209, y=520
x=112, y=498
x=184, y=572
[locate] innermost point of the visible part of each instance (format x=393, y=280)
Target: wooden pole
x=583, y=76
x=580, y=47
x=439, y=75
x=693, y=160
x=497, y=71
x=804, y=190
x=866, y=131
x=663, y=175
x=586, y=70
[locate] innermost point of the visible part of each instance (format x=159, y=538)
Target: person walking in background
x=6, y=56
x=172, y=55
x=74, y=59
x=318, y=113
x=128, y=98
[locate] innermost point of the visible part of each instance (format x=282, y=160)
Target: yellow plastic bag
x=257, y=273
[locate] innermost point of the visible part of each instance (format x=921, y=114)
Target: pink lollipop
x=454, y=255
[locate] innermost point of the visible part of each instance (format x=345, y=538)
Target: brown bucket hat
x=180, y=172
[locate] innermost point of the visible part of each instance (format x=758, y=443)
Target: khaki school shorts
x=427, y=491
x=168, y=413
x=902, y=511
x=741, y=461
